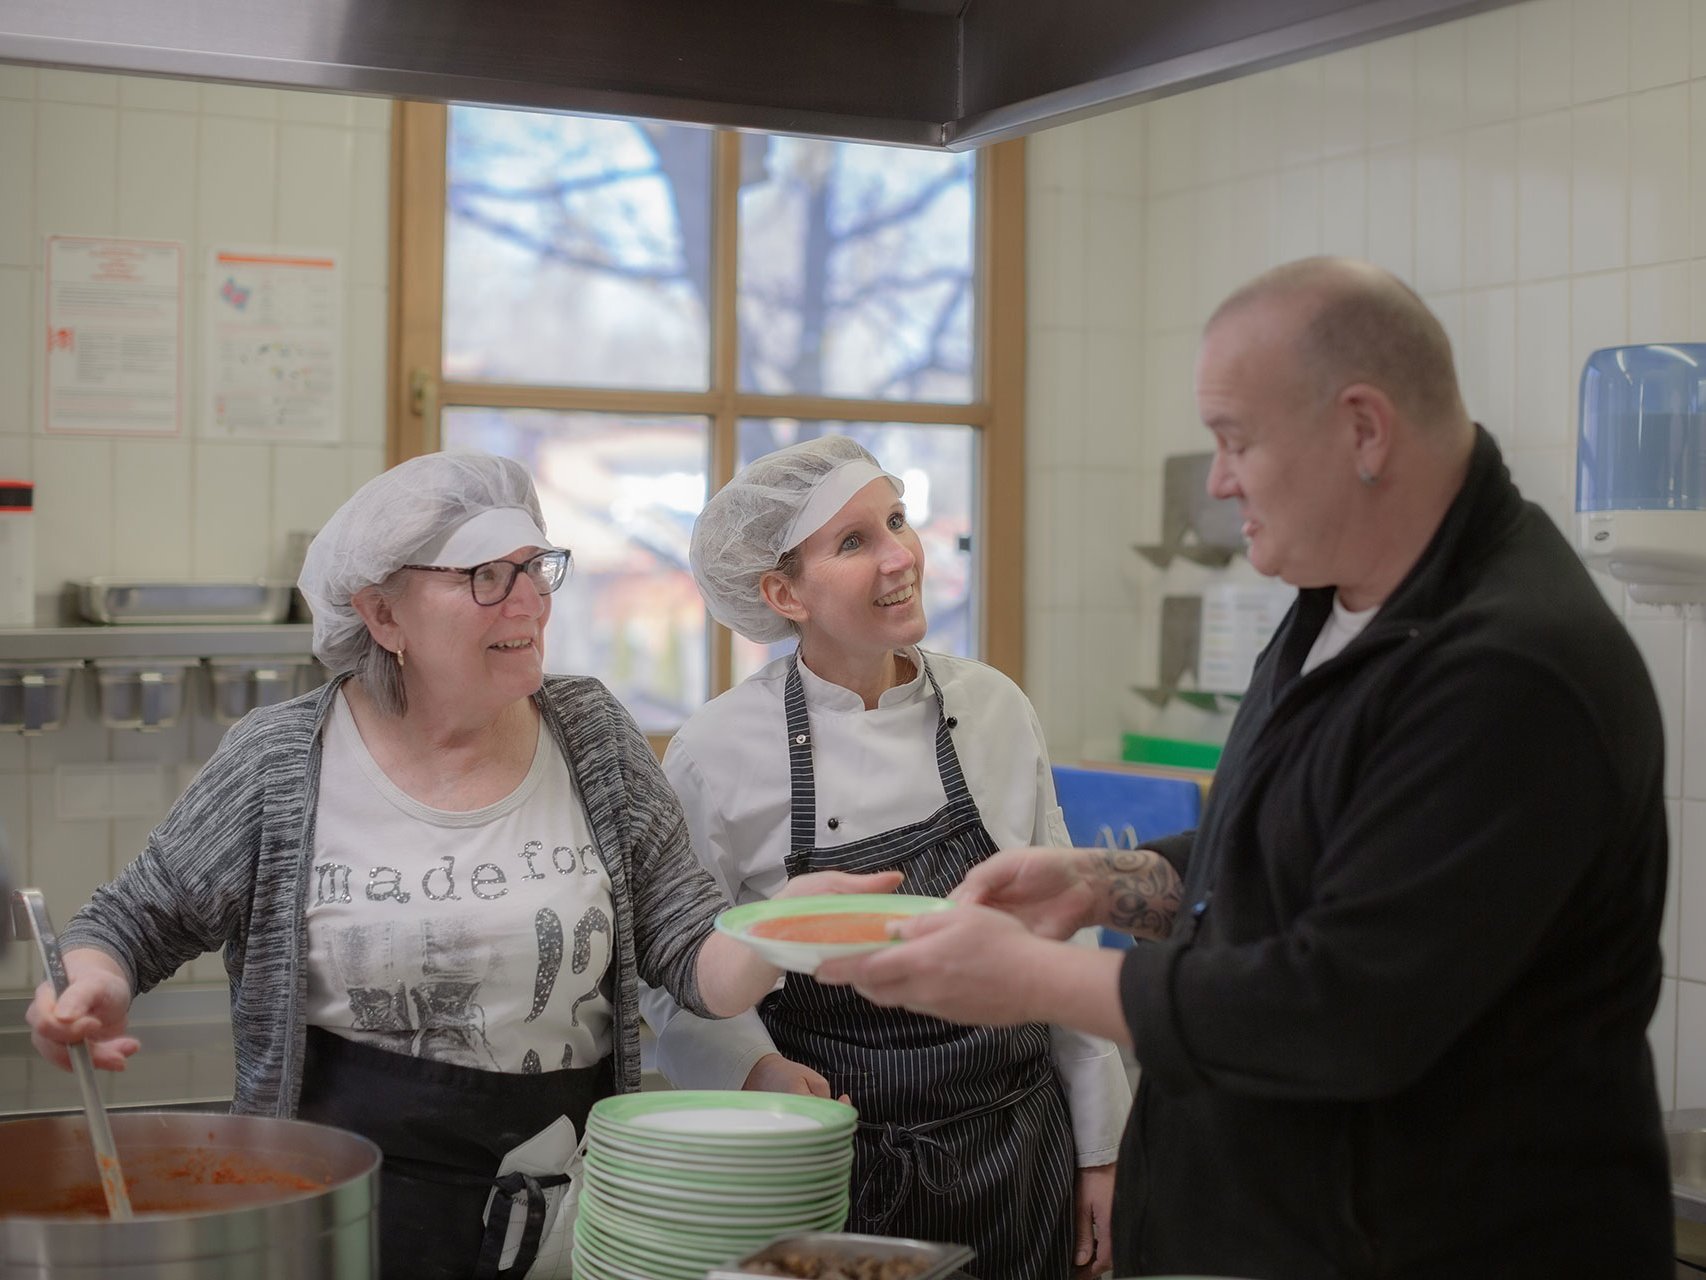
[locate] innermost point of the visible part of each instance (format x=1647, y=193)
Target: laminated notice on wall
x=274, y=344
x=1238, y=620
x=115, y=327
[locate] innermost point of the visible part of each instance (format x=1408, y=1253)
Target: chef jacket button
x=953, y=722
x=834, y=823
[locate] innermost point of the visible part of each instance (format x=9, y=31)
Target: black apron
x=963, y=1132
x=444, y=1129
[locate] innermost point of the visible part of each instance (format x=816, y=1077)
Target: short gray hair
x=1364, y=325
x=374, y=667
x=388, y=521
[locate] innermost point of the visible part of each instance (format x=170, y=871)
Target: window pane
x=856, y=270
x=939, y=467
x=576, y=252
x=621, y=493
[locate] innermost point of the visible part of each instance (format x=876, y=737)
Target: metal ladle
x=100, y=1132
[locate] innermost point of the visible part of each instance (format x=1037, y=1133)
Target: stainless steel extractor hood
x=930, y=73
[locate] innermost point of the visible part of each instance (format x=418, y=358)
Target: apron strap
x=909, y=1151
x=803, y=788
x=802, y=832
x=947, y=759
x=511, y=1187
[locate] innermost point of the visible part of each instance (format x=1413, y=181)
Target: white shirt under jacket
x=875, y=771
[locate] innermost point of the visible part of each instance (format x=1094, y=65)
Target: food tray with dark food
x=838, y=1255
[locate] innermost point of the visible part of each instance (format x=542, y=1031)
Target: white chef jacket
x=875, y=771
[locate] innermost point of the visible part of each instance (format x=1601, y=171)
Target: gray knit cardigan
x=230, y=867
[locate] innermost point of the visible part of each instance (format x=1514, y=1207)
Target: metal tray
x=150, y=602
x=941, y=1260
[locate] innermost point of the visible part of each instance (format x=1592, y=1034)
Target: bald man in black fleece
x=1392, y=1011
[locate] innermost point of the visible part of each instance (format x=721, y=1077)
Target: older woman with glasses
x=438, y=881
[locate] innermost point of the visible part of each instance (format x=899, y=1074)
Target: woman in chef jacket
x=861, y=752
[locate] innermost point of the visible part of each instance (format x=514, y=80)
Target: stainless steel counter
x=185, y=1061
x=1687, y=1133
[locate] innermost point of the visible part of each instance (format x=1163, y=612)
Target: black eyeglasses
x=492, y=582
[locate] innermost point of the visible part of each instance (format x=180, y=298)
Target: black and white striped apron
x=963, y=1131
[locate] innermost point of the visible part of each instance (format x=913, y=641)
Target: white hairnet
x=394, y=519
x=770, y=507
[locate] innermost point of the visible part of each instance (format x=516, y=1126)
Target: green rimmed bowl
x=759, y=1165
x=646, y=1257
x=711, y=1121
x=733, y=1204
x=709, y=1219
x=805, y=957
x=671, y=1249
x=759, y=1181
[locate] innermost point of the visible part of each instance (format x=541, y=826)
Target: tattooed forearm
x=1138, y=888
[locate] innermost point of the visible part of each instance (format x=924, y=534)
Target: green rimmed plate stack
x=678, y=1182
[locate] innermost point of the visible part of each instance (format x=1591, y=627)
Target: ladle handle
x=100, y=1132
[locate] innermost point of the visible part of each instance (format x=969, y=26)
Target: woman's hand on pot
x=94, y=1009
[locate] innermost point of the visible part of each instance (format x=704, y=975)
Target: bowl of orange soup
x=798, y=934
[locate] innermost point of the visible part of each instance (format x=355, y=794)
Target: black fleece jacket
x=1400, y=1027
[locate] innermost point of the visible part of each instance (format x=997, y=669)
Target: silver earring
x=1367, y=477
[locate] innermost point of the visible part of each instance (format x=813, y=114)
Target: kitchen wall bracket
x=1194, y=526
x=1181, y=642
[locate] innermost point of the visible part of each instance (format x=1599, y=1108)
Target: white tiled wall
x=1538, y=172
x=203, y=165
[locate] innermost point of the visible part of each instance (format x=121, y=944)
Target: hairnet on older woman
x=771, y=506
x=410, y=514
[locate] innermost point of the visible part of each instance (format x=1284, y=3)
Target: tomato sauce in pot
x=177, y=1181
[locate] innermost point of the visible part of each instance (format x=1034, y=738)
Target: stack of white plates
x=678, y=1182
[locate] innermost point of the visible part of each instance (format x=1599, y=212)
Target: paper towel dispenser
x=1641, y=469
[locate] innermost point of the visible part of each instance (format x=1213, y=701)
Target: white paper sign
x=115, y=324
x=274, y=344
x=1238, y=620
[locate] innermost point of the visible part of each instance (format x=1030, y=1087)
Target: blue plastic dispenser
x=1641, y=469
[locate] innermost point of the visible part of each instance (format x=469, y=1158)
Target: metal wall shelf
x=1194, y=526
x=75, y=644
x=1181, y=645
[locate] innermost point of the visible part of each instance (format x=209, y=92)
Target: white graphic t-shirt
x=480, y=938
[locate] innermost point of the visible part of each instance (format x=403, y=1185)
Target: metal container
x=238, y=685
x=245, y=1198
x=145, y=601
x=147, y=693
x=938, y=1261
x=1685, y=1131
x=34, y=695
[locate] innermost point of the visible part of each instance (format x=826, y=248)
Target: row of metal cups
x=148, y=693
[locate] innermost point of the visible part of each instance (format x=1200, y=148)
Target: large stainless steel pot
x=218, y=1197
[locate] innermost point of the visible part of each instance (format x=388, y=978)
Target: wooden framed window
x=636, y=309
